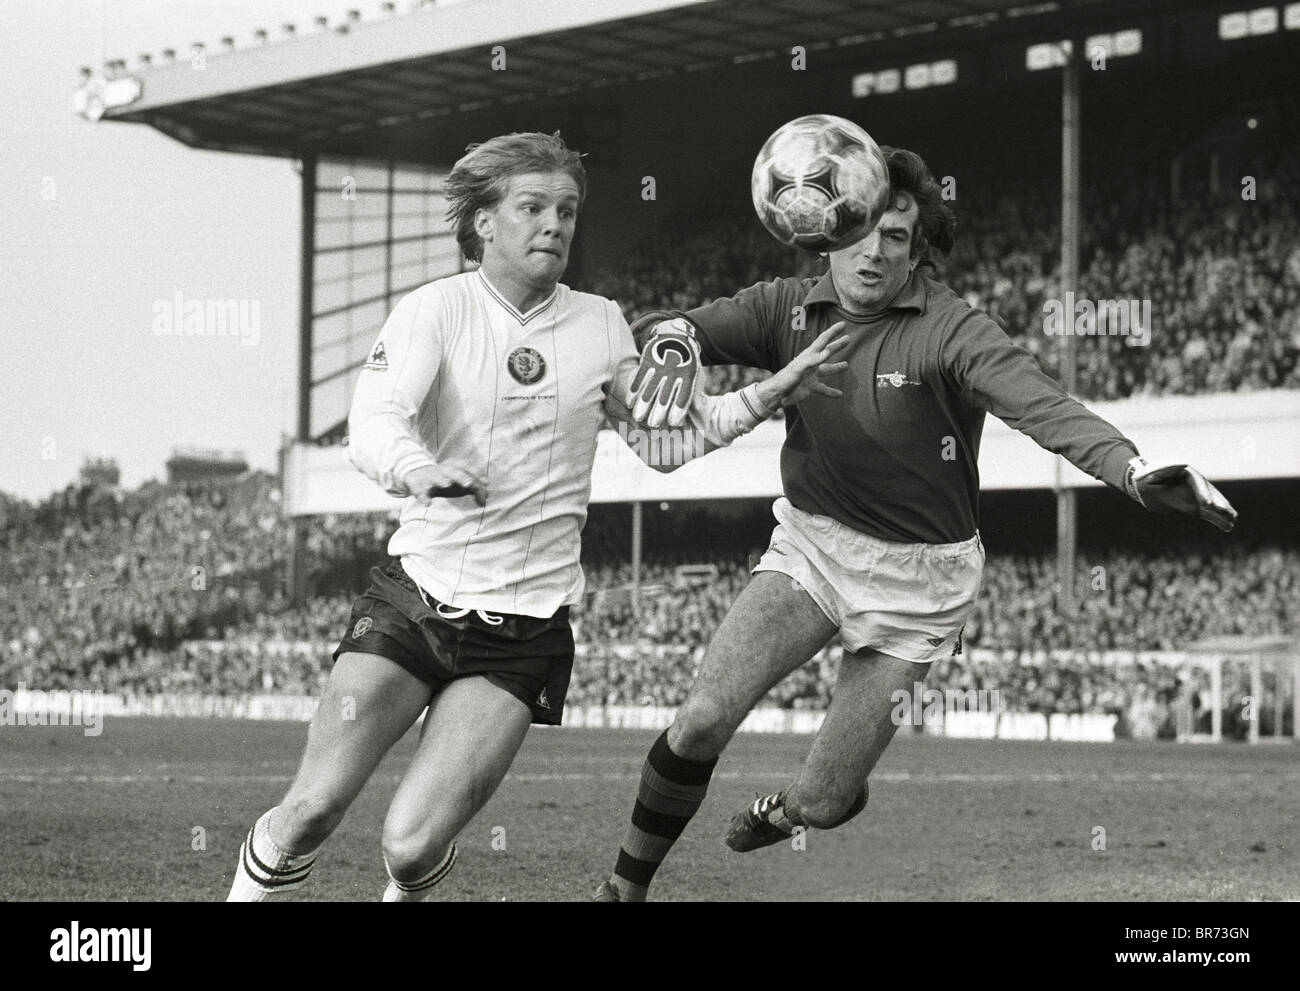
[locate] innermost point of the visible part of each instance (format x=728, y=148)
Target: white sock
x=421, y=890
x=265, y=872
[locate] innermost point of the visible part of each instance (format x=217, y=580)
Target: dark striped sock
x=671, y=791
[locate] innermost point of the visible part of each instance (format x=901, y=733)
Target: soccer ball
x=820, y=182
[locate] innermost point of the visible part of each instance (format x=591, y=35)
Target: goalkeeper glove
x=1175, y=488
x=664, y=385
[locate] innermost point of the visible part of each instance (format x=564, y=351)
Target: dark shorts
x=530, y=658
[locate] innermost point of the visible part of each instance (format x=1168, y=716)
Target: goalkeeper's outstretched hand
x=1177, y=488
x=664, y=385
x=803, y=377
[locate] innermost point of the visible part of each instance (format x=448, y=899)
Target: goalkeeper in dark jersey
x=877, y=535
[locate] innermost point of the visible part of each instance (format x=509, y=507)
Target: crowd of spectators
x=1126, y=603
x=94, y=578
x=175, y=589
x=1221, y=274
x=181, y=588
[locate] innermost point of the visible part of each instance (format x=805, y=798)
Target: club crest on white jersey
x=526, y=365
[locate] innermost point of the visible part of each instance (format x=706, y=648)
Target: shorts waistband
x=491, y=617
x=848, y=534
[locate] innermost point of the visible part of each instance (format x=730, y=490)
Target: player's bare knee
x=822, y=814
x=412, y=852
x=701, y=730
x=829, y=809
x=403, y=855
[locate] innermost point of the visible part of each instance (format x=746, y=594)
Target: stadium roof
x=339, y=89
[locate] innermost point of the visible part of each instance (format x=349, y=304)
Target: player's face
x=526, y=237
x=869, y=274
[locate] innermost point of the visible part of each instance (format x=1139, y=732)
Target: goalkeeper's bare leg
x=749, y=654
x=368, y=705
x=832, y=785
x=856, y=731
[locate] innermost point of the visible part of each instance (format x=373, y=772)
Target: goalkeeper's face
x=526, y=236
x=869, y=274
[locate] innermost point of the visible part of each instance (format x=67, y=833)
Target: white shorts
x=906, y=600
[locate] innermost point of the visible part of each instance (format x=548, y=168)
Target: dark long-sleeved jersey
x=897, y=456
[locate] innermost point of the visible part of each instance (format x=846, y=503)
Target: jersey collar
x=523, y=318
x=913, y=295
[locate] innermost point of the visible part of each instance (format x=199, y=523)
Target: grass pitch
x=155, y=809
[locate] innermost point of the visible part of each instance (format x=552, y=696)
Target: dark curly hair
x=935, y=226
x=480, y=178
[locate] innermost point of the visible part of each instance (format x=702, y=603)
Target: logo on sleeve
x=378, y=360
x=526, y=365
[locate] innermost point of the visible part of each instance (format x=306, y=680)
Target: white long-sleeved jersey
x=460, y=377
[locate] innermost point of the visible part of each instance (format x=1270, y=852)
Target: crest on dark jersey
x=526, y=365
x=896, y=379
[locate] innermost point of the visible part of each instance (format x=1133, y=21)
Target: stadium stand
x=1224, y=284
x=178, y=587
x=174, y=588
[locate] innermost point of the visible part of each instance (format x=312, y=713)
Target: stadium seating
x=1222, y=275
x=170, y=589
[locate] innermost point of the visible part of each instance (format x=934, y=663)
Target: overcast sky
x=103, y=221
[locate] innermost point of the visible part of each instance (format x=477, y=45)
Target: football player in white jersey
x=480, y=405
